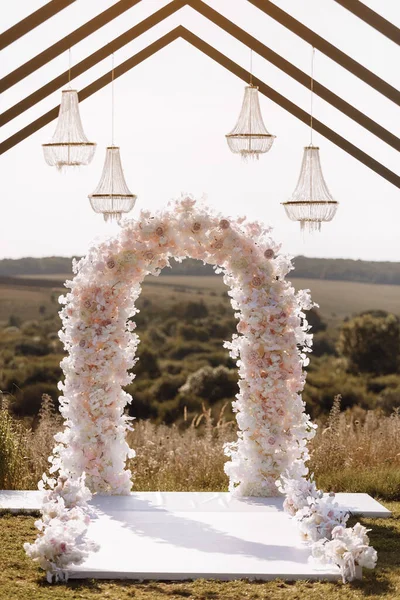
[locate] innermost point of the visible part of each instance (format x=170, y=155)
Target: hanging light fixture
x=112, y=196
x=69, y=146
x=250, y=137
x=311, y=203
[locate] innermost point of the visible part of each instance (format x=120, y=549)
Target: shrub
x=29, y=347
x=211, y=384
x=147, y=364
x=167, y=387
x=14, y=321
x=371, y=343
x=185, y=349
x=29, y=399
x=190, y=332
x=315, y=320
x=196, y=310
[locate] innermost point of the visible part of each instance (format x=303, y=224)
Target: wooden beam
x=309, y=36
x=65, y=43
x=91, y=61
x=287, y=67
x=33, y=20
x=231, y=66
x=372, y=18
x=229, y=27
x=89, y=90
x=293, y=109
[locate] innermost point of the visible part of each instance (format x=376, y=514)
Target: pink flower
x=111, y=263
x=196, y=226
x=160, y=231
x=269, y=253
x=241, y=327
x=256, y=281
x=224, y=224
x=218, y=244
x=149, y=255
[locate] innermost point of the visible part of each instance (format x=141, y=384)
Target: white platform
x=177, y=536
x=27, y=502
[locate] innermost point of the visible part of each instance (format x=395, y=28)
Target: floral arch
x=100, y=339
x=270, y=453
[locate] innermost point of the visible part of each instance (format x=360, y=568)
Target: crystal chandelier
x=250, y=137
x=69, y=146
x=112, y=197
x=311, y=203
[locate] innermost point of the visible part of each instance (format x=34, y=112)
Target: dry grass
x=24, y=452
x=170, y=459
x=348, y=454
x=358, y=454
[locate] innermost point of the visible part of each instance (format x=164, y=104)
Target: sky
x=171, y=116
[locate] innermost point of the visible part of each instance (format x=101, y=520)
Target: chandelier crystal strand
x=250, y=137
x=311, y=203
x=69, y=146
x=112, y=197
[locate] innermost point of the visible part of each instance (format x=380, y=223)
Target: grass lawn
x=21, y=579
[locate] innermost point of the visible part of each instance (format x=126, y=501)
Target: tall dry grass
x=349, y=453
x=358, y=452
x=170, y=459
x=24, y=452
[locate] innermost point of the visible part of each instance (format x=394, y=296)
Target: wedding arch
x=270, y=454
x=99, y=337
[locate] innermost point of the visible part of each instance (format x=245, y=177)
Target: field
x=337, y=299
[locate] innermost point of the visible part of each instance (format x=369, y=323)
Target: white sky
x=172, y=114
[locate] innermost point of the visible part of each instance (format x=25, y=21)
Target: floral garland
x=98, y=334
x=322, y=525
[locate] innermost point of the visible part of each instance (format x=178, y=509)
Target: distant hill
x=334, y=269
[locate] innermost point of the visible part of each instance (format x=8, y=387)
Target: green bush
x=211, y=384
x=167, y=387
x=147, y=364
x=28, y=400
x=371, y=343
x=29, y=347
x=190, y=332
x=182, y=350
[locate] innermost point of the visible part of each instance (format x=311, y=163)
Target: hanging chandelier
x=112, y=197
x=69, y=146
x=250, y=137
x=311, y=203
